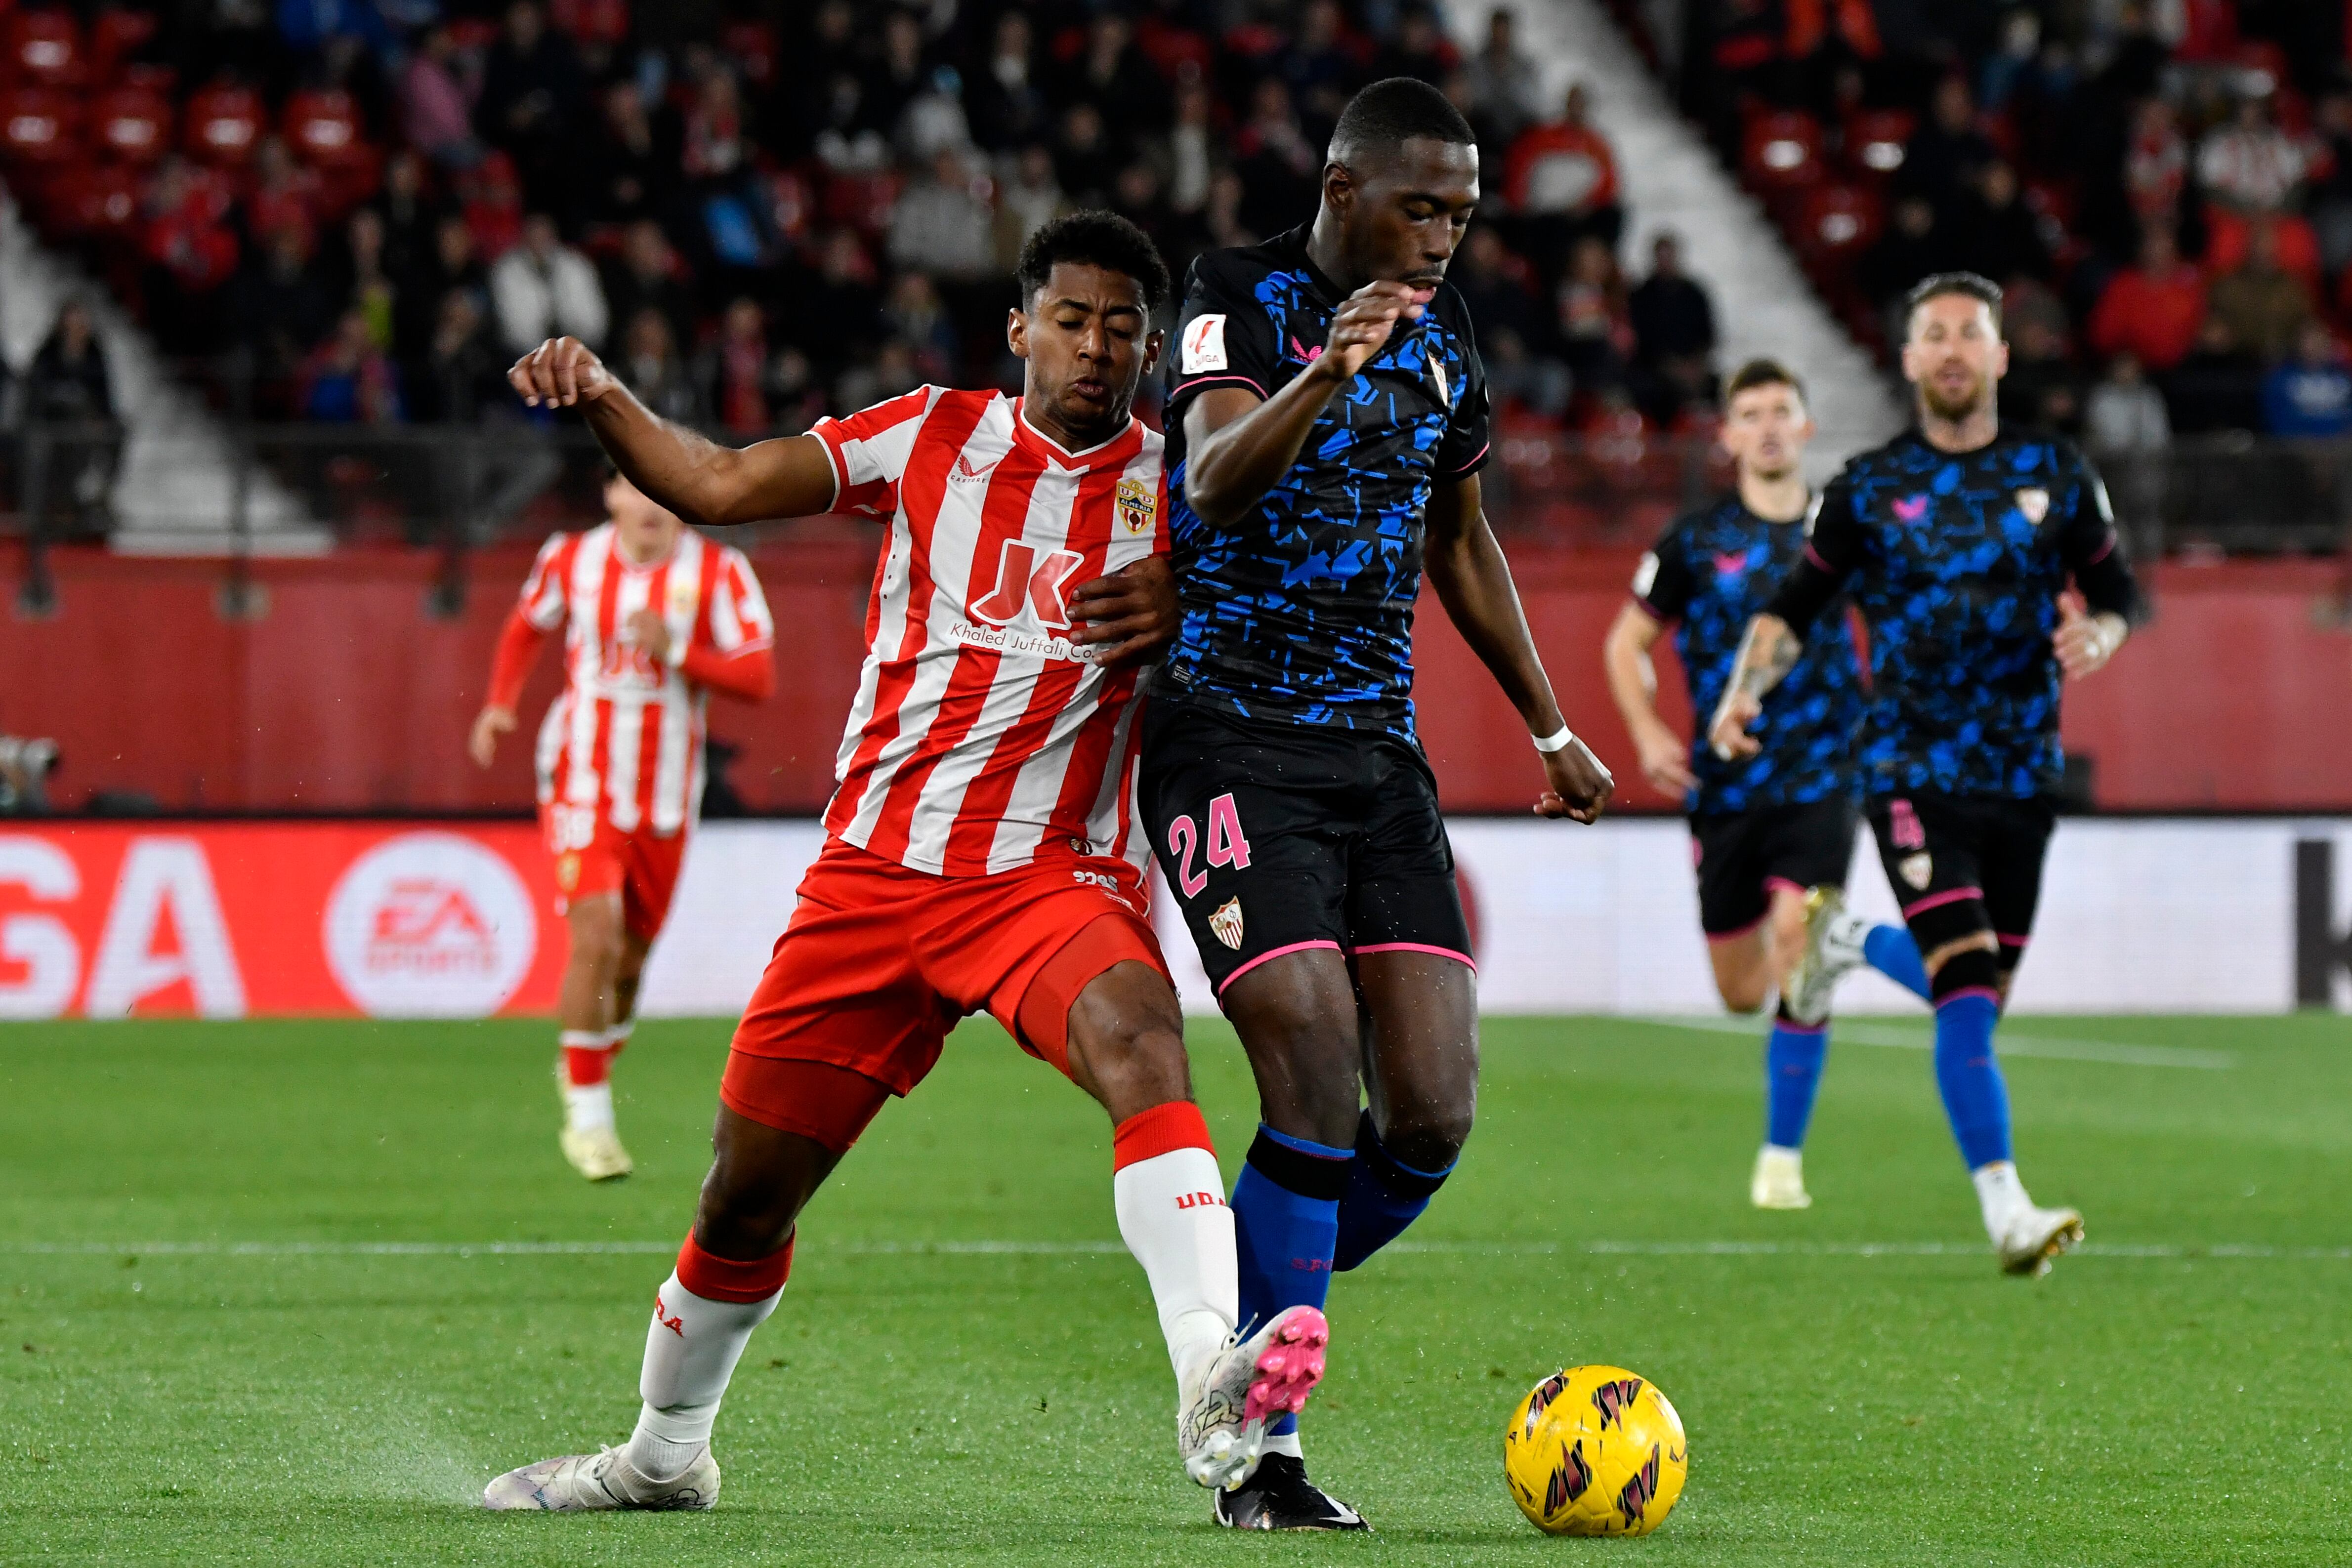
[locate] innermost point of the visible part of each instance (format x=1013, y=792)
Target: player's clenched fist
x=1363, y=322
x=560, y=373
x=1728, y=730
x=1579, y=784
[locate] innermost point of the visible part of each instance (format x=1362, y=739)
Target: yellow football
x=1595, y=1451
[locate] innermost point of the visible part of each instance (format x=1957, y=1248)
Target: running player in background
x=1327, y=422
x=655, y=619
x=1958, y=538
x=1771, y=835
x=980, y=853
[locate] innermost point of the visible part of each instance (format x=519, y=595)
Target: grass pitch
x=252, y=1310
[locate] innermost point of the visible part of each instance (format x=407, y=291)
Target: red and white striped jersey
x=982, y=740
x=626, y=735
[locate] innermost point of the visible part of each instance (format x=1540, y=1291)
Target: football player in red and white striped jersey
x=654, y=618
x=981, y=851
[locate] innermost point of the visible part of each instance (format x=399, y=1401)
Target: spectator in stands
x=1417, y=48
x=1281, y=170
x=941, y=226
x=1085, y=160
x=2248, y=163
x=1028, y=199
x=347, y=379
x=1559, y=184
x=1506, y=87
x=1136, y=197
x=735, y=370
x=283, y=194
x=436, y=102
x=654, y=370
x=2218, y=386
x=890, y=371
x=2310, y=394
x=2125, y=416
x=280, y=310
x=1947, y=152
x=2042, y=386
x=1674, y=336
x=1594, y=337
x=452, y=264
x=1494, y=285
x=408, y=216
x=461, y=373
x=898, y=74
x=190, y=254
x=2329, y=193
x=1192, y=151
x=2150, y=312
x=1909, y=250
x=2264, y=304
x=840, y=309
x=2156, y=164
x=544, y=288
x=1319, y=68
x=2000, y=235
x=622, y=168
x=357, y=280
x=532, y=102
x=1003, y=101
x=1111, y=74
x=645, y=276
x=68, y=381
x=915, y=317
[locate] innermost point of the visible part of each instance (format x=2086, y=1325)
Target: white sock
x=586, y=1105
x=618, y=1035
x=1172, y=1216
x=691, y=1349
x=1286, y=1443
x=1999, y=1194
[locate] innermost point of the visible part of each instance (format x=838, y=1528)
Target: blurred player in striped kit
x=654, y=618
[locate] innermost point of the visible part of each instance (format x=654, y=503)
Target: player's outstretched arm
x=1239, y=445
x=698, y=479
x=1633, y=685
x=1474, y=583
x=1767, y=653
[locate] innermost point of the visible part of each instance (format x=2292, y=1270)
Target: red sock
x=716, y=1279
x=586, y=1061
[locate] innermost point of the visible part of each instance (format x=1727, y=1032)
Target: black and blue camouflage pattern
x=1956, y=561
x=1302, y=610
x=1712, y=571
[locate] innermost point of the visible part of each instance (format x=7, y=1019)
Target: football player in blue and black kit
x=1956, y=541
x=1327, y=421
x=1772, y=834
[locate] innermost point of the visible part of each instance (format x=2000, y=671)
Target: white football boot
x=603, y=1481
x=596, y=1153
x=2033, y=1236
x=1778, y=1181
x=1226, y=1400
x=1832, y=950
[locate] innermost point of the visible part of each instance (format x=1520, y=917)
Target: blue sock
x=1890, y=950
x=1286, y=1220
x=1384, y=1195
x=1793, y=1053
x=1966, y=1070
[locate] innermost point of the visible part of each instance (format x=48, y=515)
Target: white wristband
x=1556, y=741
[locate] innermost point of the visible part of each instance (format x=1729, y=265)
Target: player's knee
x=1743, y=994
x=596, y=937
x=1429, y=1137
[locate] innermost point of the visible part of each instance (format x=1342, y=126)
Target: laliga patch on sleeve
x=1204, y=345
x=1646, y=576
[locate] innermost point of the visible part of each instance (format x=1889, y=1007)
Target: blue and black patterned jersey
x=1302, y=610
x=1712, y=571
x=1957, y=561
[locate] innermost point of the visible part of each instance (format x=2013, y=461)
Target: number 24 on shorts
x=1226, y=845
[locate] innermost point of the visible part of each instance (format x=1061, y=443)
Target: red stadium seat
x=1781, y=152
x=93, y=202
x=324, y=129
x=38, y=125
x=132, y=125
x=1875, y=142
x=1840, y=222
x=44, y=48
x=752, y=47
x=861, y=200
x=590, y=21
x=114, y=33
x=221, y=125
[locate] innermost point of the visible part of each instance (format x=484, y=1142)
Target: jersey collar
x=1113, y=453
x=1292, y=245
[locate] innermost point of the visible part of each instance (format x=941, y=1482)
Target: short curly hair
x=1092, y=238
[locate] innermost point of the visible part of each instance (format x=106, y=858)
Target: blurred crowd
x=367, y=207
x=2162, y=187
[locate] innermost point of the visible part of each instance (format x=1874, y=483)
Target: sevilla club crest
x=1918, y=870
x=1226, y=923
x=2034, y=503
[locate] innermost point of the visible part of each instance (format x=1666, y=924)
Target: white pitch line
x=2046, y=1046
x=1089, y=1249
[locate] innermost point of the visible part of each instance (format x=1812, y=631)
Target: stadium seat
x=2228, y=234
x=114, y=34
x=39, y=126
x=590, y=21
x=132, y=125
x=1781, y=152
x=1875, y=142
x=44, y=48
x=752, y=45
x=92, y=202
x=221, y=124
x=324, y=130
x=861, y=200
x=1839, y=223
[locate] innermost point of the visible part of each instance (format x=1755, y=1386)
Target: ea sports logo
x=430, y=926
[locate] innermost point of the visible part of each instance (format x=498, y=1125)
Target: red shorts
x=591, y=856
x=881, y=961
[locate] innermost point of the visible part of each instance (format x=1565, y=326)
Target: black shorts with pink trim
x=1742, y=856
x=1279, y=837
x=1964, y=863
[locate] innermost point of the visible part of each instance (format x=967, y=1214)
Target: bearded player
x=1328, y=419
x=1772, y=834
x=980, y=853
x=1956, y=541
x=655, y=619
